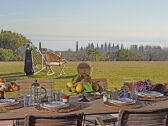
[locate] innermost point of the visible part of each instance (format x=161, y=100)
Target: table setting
x=8, y=103
x=146, y=91
x=132, y=94
x=122, y=98
x=45, y=102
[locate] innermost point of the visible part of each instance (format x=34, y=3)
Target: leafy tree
x=94, y=54
x=11, y=40
x=123, y=55
x=6, y=54
x=109, y=46
x=105, y=46
x=111, y=56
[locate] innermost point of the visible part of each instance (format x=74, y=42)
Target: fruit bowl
x=82, y=84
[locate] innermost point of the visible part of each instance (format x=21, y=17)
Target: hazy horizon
x=58, y=24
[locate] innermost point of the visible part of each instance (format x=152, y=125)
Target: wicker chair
x=68, y=120
x=153, y=116
x=84, y=68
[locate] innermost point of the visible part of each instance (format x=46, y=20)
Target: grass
x=115, y=72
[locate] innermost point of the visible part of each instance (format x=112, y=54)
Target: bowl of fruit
x=81, y=84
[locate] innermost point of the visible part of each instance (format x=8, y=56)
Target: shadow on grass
x=12, y=76
x=64, y=77
x=8, y=74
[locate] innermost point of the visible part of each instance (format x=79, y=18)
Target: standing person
x=28, y=67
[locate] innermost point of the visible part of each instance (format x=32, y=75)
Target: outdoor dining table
x=92, y=107
x=87, y=108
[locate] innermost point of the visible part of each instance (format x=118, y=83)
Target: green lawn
x=115, y=72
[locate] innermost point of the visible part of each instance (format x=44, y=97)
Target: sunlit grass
x=115, y=72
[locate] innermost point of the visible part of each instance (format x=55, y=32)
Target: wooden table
x=88, y=108
x=93, y=107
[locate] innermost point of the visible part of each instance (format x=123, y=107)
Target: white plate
x=7, y=100
x=54, y=104
x=116, y=101
x=127, y=100
x=43, y=94
x=150, y=94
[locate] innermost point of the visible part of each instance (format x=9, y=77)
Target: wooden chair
x=46, y=60
x=68, y=120
x=153, y=116
x=54, y=59
x=107, y=118
x=42, y=59
x=25, y=86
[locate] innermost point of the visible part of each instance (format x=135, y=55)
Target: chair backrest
x=68, y=120
x=52, y=57
x=84, y=68
x=143, y=117
x=25, y=86
x=102, y=82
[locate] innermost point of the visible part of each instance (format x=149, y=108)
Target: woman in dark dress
x=28, y=67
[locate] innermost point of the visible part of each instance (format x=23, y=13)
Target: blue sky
x=58, y=24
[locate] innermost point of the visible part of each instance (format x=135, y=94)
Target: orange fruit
x=2, y=80
x=95, y=87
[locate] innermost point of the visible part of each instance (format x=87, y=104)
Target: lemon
x=79, y=87
x=69, y=84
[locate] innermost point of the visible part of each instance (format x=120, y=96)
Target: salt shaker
x=105, y=96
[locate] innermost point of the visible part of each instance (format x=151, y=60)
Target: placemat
x=95, y=96
x=65, y=109
x=153, y=98
x=11, y=107
x=126, y=105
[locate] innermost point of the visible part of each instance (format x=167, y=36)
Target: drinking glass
x=133, y=95
x=129, y=82
x=57, y=95
x=115, y=94
x=112, y=95
x=27, y=100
